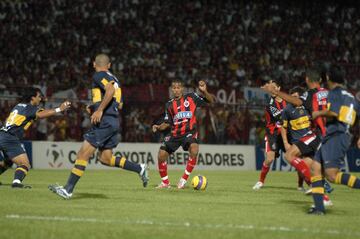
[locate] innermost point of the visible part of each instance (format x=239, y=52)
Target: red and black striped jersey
x=316, y=100
x=273, y=116
x=180, y=114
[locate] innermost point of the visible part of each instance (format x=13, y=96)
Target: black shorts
x=308, y=145
x=171, y=144
x=274, y=143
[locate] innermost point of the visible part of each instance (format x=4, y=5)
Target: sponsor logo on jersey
x=183, y=115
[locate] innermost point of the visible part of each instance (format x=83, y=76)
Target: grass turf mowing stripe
x=184, y=224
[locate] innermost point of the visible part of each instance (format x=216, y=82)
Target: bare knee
x=162, y=155
x=194, y=150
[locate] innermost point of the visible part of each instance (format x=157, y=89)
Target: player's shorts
x=274, y=143
x=10, y=145
x=105, y=135
x=308, y=145
x=171, y=144
x=333, y=150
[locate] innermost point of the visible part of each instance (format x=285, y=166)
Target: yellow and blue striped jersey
x=20, y=119
x=100, y=80
x=297, y=122
x=343, y=103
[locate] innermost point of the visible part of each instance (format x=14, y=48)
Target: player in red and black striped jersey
x=180, y=117
x=273, y=140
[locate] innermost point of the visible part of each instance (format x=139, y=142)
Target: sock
x=264, y=171
x=300, y=180
x=318, y=192
x=163, y=172
x=20, y=173
x=122, y=162
x=347, y=179
x=76, y=173
x=189, y=168
x=301, y=167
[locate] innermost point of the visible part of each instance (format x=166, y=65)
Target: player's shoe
x=327, y=202
x=314, y=211
x=163, y=185
x=20, y=185
x=60, y=191
x=258, y=185
x=308, y=192
x=144, y=174
x=301, y=189
x=181, y=184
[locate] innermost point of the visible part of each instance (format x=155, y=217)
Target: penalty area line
x=184, y=224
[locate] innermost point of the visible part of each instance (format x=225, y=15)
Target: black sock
x=76, y=173
x=122, y=162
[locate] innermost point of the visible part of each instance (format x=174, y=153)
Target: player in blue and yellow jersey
x=341, y=114
x=107, y=100
x=11, y=134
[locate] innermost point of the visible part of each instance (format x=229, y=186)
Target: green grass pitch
x=113, y=204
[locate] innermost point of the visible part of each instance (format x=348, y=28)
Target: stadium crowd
x=230, y=44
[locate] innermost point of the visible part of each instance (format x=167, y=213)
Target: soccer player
x=180, y=117
x=314, y=99
x=106, y=97
x=273, y=141
x=340, y=114
x=11, y=134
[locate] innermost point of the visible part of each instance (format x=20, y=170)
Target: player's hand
x=65, y=105
x=270, y=88
x=358, y=143
x=202, y=86
x=155, y=128
x=96, y=117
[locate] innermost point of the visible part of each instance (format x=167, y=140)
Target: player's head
x=335, y=75
x=312, y=77
x=276, y=83
x=32, y=95
x=102, y=62
x=297, y=91
x=177, y=88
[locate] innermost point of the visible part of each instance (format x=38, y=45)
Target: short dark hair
x=277, y=82
x=297, y=89
x=313, y=75
x=177, y=80
x=336, y=74
x=28, y=93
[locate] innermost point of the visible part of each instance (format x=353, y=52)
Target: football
x=199, y=182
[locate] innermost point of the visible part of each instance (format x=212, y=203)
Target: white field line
x=184, y=224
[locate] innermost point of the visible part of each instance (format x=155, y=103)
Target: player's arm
x=160, y=127
x=109, y=94
x=50, y=112
x=284, y=137
x=203, y=89
x=324, y=113
x=271, y=89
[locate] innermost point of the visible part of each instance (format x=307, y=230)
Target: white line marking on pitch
x=185, y=224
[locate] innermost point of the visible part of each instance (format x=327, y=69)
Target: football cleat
x=314, y=211
x=258, y=185
x=20, y=185
x=60, y=191
x=144, y=174
x=181, y=184
x=301, y=189
x=308, y=192
x=163, y=185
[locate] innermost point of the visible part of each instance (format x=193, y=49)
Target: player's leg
x=190, y=165
x=270, y=155
x=107, y=158
x=23, y=166
x=317, y=186
x=335, y=176
x=292, y=156
x=82, y=158
x=163, y=155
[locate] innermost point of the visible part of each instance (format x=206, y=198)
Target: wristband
x=57, y=110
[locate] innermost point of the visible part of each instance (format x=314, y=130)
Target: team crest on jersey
x=186, y=103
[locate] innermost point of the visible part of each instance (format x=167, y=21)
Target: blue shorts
x=10, y=145
x=333, y=150
x=105, y=135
